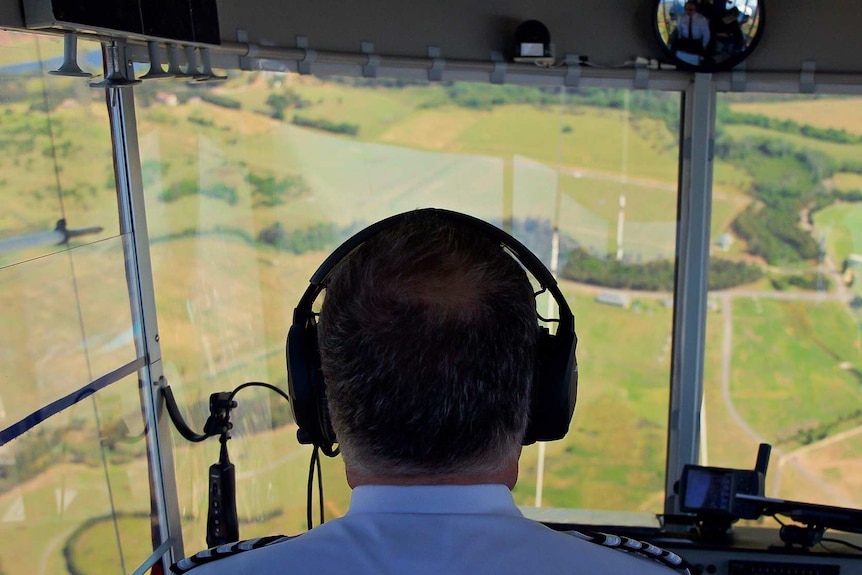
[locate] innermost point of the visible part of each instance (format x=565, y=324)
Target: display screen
x=706, y=489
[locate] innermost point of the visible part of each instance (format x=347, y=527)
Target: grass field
x=842, y=225
x=839, y=152
x=50, y=348
x=847, y=182
x=38, y=515
x=843, y=113
x=776, y=396
x=20, y=48
x=619, y=432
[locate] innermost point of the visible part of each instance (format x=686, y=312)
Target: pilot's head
x=427, y=338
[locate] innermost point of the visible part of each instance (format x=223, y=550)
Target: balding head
x=427, y=337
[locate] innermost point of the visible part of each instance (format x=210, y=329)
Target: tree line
x=786, y=180
x=657, y=275
x=838, y=135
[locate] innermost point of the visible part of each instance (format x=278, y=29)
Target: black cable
x=260, y=384
x=185, y=430
x=314, y=464
x=210, y=430
x=320, y=488
x=546, y=320
x=314, y=455
x=840, y=542
x=177, y=417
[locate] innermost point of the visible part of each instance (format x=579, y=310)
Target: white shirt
x=695, y=27
x=433, y=530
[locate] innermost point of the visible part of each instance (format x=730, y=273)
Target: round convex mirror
x=708, y=35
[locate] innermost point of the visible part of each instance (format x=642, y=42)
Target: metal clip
x=435, y=73
x=573, y=70
x=369, y=70
x=737, y=79
x=304, y=66
x=498, y=74
x=807, y=84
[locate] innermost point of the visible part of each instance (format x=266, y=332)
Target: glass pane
x=250, y=184
x=65, y=318
x=56, y=139
x=74, y=494
x=783, y=357
x=602, y=166
x=64, y=321
x=74, y=490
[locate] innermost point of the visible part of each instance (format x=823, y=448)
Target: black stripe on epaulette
x=227, y=550
x=640, y=548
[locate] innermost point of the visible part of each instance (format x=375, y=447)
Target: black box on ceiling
x=167, y=19
x=205, y=21
x=90, y=15
x=178, y=20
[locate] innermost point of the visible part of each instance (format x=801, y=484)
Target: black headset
x=555, y=383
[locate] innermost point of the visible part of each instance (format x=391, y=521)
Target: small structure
x=613, y=298
x=724, y=241
x=852, y=268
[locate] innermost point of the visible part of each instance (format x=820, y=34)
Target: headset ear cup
x=307, y=389
x=555, y=387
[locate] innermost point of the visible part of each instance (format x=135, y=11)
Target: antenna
x=762, y=462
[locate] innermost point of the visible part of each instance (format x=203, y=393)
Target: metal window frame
x=690, y=294
x=139, y=275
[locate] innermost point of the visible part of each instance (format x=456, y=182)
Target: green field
x=843, y=113
x=20, y=48
x=778, y=397
x=839, y=152
x=842, y=225
x=619, y=432
x=847, y=182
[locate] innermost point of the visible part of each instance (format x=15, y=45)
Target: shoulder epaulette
x=640, y=548
x=226, y=550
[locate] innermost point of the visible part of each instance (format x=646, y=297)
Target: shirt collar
x=433, y=499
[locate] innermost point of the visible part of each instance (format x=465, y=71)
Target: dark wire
x=315, y=457
x=546, y=320
x=826, y=539
x=259, y=384
x=315, y=454
x=840, y=542
x=315, y=463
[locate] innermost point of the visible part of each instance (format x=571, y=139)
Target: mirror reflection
x=709, y=34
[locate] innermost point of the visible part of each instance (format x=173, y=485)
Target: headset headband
x=555, y=382
x=528, y=259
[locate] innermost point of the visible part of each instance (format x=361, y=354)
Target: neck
x=505, y=475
